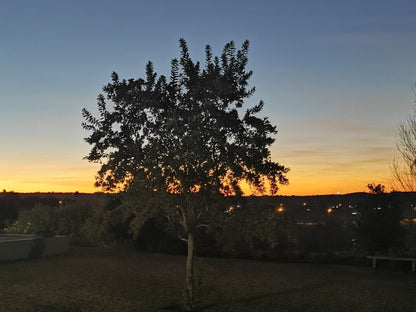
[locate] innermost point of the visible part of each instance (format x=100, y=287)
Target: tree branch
x=182, y=239
x=203, y=225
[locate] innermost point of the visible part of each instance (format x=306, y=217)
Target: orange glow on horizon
x=59, y=177
x=85, y=184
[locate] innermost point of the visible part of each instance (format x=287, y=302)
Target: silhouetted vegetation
x=9, y=208
x=378, y=225
x=404, y=167
x=303, y=228
x=179, y=147
x=86, y=220
x=288, y=228
x=253, y=229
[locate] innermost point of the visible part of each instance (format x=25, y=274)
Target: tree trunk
x=191, y=300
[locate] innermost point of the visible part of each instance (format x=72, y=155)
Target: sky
x=336, y=78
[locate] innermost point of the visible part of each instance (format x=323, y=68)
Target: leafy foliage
x=180, y=146
x=251, y=231
x=86, y=223
x=378, y=226
x=40, y=220
x=9, y=203
x=186, y=136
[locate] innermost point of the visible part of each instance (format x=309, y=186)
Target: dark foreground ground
x=93, y=279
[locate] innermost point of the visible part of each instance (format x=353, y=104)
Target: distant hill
x=319, y=208
x=303, y=209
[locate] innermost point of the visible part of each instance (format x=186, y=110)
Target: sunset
x=336, y=78
x=207, y=155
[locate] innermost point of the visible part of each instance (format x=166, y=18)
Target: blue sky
x=336, y=77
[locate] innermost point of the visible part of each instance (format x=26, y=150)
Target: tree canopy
x=184, y=143
x=187, y=132
x=378, y=226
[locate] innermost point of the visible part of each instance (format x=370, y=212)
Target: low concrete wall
x=14, y=247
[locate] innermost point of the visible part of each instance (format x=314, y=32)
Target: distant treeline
x=300, y=208
x=278, y=227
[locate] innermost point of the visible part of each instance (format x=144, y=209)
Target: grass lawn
x=94, y=279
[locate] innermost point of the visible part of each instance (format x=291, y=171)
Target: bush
x=410, y=241
x=323, y=238
x=156, y=236
x=40, y=220
x=87, y=223
x=378, y=228
x=9, y=203
x=254, y=233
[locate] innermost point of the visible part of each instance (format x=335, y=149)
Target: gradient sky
x=336, y=78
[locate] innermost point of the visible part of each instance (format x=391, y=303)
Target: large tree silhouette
x=182, y=146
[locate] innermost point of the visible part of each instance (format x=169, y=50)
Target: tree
x=378, y=226
x=182, y=146
x=9, y=208
x=376, y=189
x=404, y=168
